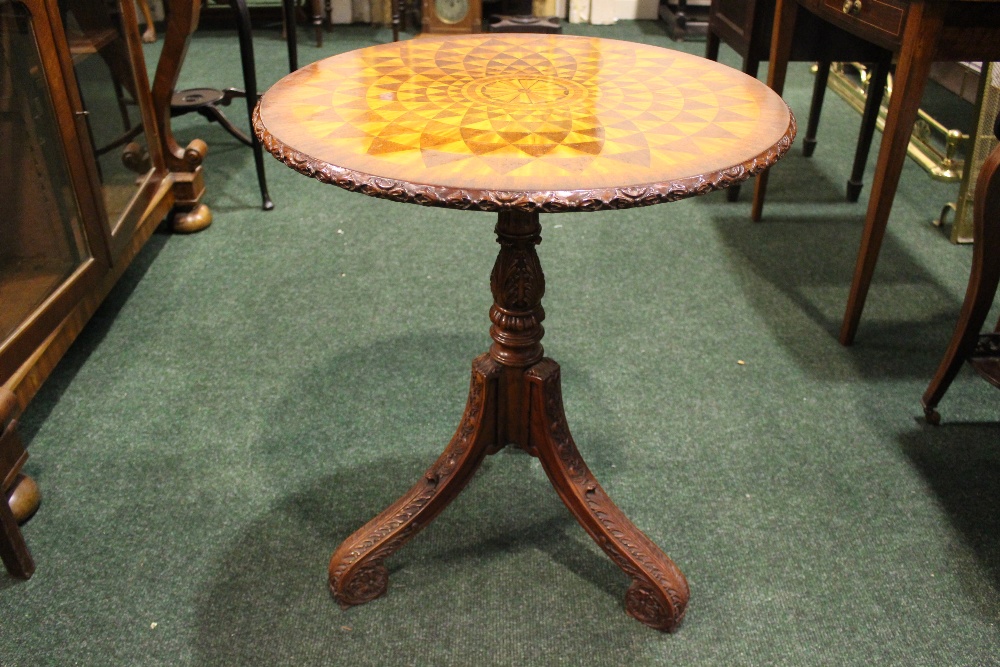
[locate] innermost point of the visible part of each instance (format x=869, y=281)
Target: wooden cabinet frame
x=103, y=242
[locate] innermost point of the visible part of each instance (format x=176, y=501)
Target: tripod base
x=519, y=403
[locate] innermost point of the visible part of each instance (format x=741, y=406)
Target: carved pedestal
x=515, y=399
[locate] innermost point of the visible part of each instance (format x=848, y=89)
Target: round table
x=521, y=124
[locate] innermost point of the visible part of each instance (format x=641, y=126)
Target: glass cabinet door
x=42, y=242
x=101, y=42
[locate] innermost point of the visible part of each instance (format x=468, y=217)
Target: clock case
x=472, y=22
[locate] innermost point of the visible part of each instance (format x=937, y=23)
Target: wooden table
x=521, y=124
x=919, y=32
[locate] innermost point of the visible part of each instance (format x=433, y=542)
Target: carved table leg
x=515, y=399
x=659, y=592
x=356, y=571
x=535, y=421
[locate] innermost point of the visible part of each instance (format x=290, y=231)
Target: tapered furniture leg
x=785, y=15
x=13, y=549
x=291, y=35
x=815, y=107
x=869, y=119
x=750, y=67
x=712, y=43
x=205, y=101
x=923, y=23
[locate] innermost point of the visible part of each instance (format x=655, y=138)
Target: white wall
x=603, y=12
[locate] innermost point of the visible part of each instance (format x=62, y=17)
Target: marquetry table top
x=528, y=122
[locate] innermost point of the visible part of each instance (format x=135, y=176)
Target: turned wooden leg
x=357, y=574
x=532, y=418
x=659, y=592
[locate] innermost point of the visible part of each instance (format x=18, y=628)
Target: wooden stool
x=13, y=549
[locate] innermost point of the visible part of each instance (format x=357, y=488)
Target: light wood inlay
x=525, y=113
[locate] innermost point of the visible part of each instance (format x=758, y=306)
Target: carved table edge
x=540, y=201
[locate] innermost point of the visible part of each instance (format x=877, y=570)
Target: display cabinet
x=85, y=177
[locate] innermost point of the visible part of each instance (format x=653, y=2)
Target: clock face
x=451, y=11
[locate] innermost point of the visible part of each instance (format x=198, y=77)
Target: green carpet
x=250, y=395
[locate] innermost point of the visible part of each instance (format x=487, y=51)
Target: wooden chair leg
x=750, y=68
x=983, y=280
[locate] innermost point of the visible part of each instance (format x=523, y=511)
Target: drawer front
x=881, y=21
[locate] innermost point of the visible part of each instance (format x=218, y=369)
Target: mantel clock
x=452, y=16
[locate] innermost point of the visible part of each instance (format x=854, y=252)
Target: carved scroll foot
x=659, y=592
x=356, y=571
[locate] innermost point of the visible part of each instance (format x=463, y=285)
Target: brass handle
x=852, y=7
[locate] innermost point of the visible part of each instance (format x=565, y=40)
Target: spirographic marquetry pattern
x=537, y=122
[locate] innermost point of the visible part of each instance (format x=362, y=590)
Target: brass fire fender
x=850, y=81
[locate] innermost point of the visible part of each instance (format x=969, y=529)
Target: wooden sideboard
x=92, y=172
x=918, y=32
x=745, y=26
